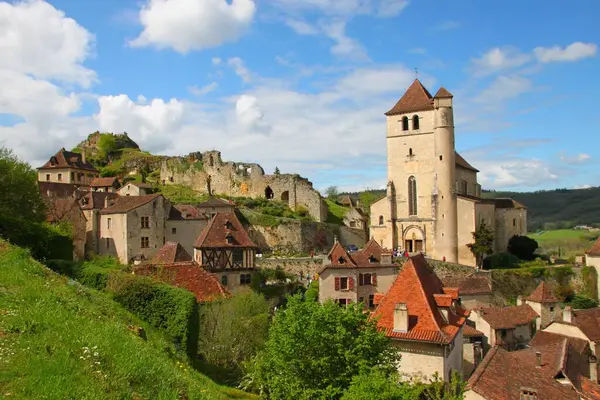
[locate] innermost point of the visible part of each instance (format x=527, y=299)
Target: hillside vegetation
x=61, y=340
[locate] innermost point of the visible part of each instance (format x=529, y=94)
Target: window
x=344, y=283
x=352, y=224
x=47, y=177
x=410, y=153
x=341, y=260
x=108, y=223
x=245, y=279
x=60, y=177
x=366, y=279
x=72, y=176
x=108, y=243
x=415, y=122
x=441, y=158
x=361, y=299
x=145, y=222
x=514, y=222
x=173, y=231
x=145, y=242
x=224, y=280
x=228, y=225
x=412, y=196
x=229, y=239
x=343, y=302
x=381, y=220
x=372, y=259
x=551, y=309
x=404, y=123
x=164, y=240
x=464, y=187
x=371, y=300
x=238, y=256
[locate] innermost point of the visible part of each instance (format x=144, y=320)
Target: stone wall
x=207, y=172
x=294, y=266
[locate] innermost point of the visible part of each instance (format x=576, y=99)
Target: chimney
x=568, y=314
x=593, y=368
x=386, y=257
x=538, y=359
x=400, y=317
x=519, y=300
x=83, y=154
x=107, y=202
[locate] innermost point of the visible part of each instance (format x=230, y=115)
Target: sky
x=303, y=85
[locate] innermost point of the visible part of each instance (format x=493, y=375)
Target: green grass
x=336, y=213
x=60, y=340
x=567, y=242
x=182, y=194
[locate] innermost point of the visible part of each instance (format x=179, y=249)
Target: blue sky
x=303, y=84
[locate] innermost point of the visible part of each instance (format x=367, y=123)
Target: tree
x=233, y=330
x=315, y=350
x=276, y=171
x=378, y=385
x=522, y=247
x=107, y=144
x=332, y=192
x=483, y=239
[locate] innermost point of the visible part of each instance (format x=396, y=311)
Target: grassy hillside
x=59, y=340
x=565, y=242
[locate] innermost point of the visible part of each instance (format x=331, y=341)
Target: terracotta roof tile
x=595, y=250
x=189, y=276
x=170, y=253
x=543, y=338
x=507, y=203
x=543, y=294
x=507, y=317
x=416, y=98
x=140, y=185
x=67, y=159
x=590, y=390
x=589, y=322
x=92, y=200
x=186, y=212
x=443, y=93
x=472, y=284
x=123, y=204
x=461, y=162
x=469, y=331
x=359, y=259
x=502, y=376
x=219, y=228
x=417, y=285
x=105, y=182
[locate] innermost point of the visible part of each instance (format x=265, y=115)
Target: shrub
x=580, y=301
x=168, y=308
x=95, y=277
x=65, y=267
x=500, y=261
x=522, y=247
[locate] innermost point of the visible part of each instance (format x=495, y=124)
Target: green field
x=335, y=212
x=565, y=242
x=60, y=340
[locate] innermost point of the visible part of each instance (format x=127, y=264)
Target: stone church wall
x=206, y=172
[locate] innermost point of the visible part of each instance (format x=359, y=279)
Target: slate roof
x=508, y=317
x=67, y=159
x=358, y=259
x=461, y=162
x=105, y=182
x=187, y=275
x=123, y=204
x=416, y=98
x=472, y=284
x=595, y=250
x=543, y=294
x=502, y=375
x=417, y=286
x=214, y=235
x=171, y=252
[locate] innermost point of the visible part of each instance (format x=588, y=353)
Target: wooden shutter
x=360, y=280
x=373, y=279
x=337, y=283
x=350, y=283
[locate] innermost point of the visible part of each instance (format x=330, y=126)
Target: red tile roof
x=67, y=159
x=123, y=204
x=417, y=285
x=185, y=212
x=544, y=338
x=473, y=284
x=543, y=294
x=416, y=98
x=189, y=276
x=105, y=182
x=588, y=321
x=358, y=259
x=170, y=253
x=443, y=93
x=595, y=250
x=507, y=203
x=590, y=390
x=219, y=228
x=469, y=331
x=96, y=200
x=503, y=375
x=507, y=317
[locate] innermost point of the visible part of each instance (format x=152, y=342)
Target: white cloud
x=201, y=91
x=344, y=46
x=240, y=69
x=391, y=8
x=301, y=27
x=186, y=25
x=582, y=186
x=576, y=159
x=447, y=26
x=503, y=88
x=37, y=39
x=498, y=59
x=250, y=115
x=216, y=61
x=573, y=52
x=516, y=172
x=379, y=8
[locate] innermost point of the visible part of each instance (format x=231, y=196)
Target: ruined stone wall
x=206, y=172
x=293, y=266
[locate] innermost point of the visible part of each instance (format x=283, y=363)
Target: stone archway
x=413, y=239
x=269, y=192
x=285, y=197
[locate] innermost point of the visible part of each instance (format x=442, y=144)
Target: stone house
x=215, y=205
x=354, y=218
x=549, y=369
x=135, y=189
x=582, y=324
x=475, y=289
x=433, y=200
x=108, y=184
x=356, y=277
x=224, y=249
x=68, y=167
x=91, y=203
x=509, y=327
x=184, y=225
x=592, y=259
x=544, y=303
x=67, y=209
x=424, y=321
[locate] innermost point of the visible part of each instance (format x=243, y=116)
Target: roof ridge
x=483, y=366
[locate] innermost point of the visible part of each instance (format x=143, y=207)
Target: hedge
x=95, y=277
x=170, y=309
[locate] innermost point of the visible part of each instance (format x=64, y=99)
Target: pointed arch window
x=404, y=123
x=381, y=220
x=412, y=196
x=415, y=122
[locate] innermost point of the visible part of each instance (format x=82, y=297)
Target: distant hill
x=546, y=209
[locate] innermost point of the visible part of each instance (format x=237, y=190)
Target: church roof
x=461, y=162
x=416, y=98
x=443, y=93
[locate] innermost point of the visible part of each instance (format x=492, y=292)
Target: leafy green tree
x=378, y=385
x=522, y=247
x=580, y=301
x=332, y=192
x=107, y=144
x=276, y=171
x=483, y=239
x=233, y=330
x=315, y=350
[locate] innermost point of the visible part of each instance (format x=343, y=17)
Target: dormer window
x=53, y=161
x=229, y=239
x=341, y=260
x=372, y=259
x=228, y=225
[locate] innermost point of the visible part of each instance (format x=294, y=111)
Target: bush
x=581, y=302
x=168, y=308
x=375, y=384
x=95, y=277
x=522, y=247
x=65, y=267
x=500, y=261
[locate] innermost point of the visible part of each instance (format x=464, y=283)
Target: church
x=433, y=202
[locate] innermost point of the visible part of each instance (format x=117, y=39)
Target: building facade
x=68, y=167
x=432, y=202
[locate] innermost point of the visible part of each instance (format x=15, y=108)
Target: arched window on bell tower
x=412, y=196
x=415, y=122
x=404, y=123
